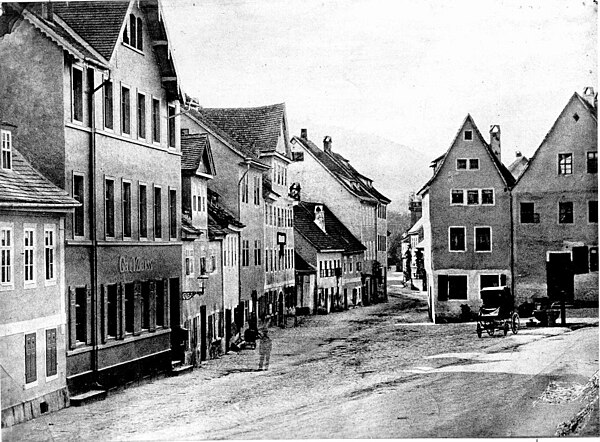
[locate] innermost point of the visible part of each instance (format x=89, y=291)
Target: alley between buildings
x=381, y=371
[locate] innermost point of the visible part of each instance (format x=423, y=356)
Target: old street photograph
x=270, y=220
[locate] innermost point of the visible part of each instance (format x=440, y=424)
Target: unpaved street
x=376, y=372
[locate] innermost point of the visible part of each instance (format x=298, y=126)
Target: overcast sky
x=409, y=71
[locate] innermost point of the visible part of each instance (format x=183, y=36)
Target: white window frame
x=478, y=197
x=189, y=258
x=50, y=228
x=465, y=135
x=112, y=102
x=463, y=197
x=8, y=227
x=137, y=119
x=469, y=164
x=493, y=197
x=30, y=228
x=450, y=242
x=121, y=114
x=558, y=163
x=73, y=120
x=6, y=147
x=475, y=239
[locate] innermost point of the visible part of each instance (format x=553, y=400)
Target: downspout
x=247, y=161
x=512, y=245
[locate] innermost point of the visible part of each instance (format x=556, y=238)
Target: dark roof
x=187, y=226
x=219, y=215
x=347, y=175
x=97, y=22
x=504, y=173
x=23, y=185
x=336, y=235
x=194, y=149
x=300, y=264
x=255, y=128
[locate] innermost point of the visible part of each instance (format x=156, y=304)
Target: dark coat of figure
x=265, y=350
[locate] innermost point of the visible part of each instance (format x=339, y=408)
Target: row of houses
x=138, y=230
x=532, y=226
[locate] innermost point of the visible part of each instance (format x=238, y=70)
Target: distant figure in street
x=265, y=350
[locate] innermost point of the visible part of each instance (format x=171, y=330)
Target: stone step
x=181, y=369
x=88, y=397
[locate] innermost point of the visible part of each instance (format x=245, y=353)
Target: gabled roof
x=25, y=187
x=518, y=166
x=195, y=150
x=301, y=266
x=505, y=175
x=336, y=235
x=256, y=129
x=341, y=169
x=575, y=97
x=219, y=215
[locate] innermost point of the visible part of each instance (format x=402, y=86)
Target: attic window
x=468, y=135
x=576, y=117
x=6, y=159
x=133, y=33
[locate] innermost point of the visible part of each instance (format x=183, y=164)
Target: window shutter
x=137, y=307
x=30, y=362
x=72, y=318
x=503, y=280
x=121, y=311
x=166, y=302
x=51, y=363
x=152, y=306
x=442, y=287
x=104, y=293
x=88, y=315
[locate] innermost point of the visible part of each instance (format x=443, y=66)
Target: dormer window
x=468, y=135
x=133, y=33
x=6, y=150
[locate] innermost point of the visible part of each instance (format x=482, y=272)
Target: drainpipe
x=247, y=161
x=512, y=245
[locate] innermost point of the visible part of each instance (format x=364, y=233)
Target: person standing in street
x=265, y=350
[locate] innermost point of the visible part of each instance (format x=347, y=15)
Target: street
x=381, y=371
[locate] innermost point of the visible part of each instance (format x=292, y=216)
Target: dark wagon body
x=497, y=311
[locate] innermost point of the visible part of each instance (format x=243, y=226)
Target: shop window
x=6, y=160
x=565, y=163
x=79, y=214
x=565, y=212
x=483, y=239
x=457, y=239
x=592, y=162
x=30, y=358
x=51, y=353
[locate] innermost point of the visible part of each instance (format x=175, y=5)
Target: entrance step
x=181, y=369
x=88, y=397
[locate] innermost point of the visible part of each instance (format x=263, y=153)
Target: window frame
x=156, y=129
x=568, y=164
x=6, y=149
x=464, y=230
x=157, y=214
x=466, y=160
x=454, y=192
x=50, y=249
x=475, y=239
x=592, y=161
x=473, y=161
x=560, y=212
x=108, y=111
x=521, y=221
x=125, y=112
x=109, y=209
x=141, y=119
x=10, y=251
x=473, y=192
x=171, y=126
x=126, y=217
x=81, y=209
x=470, y=132
x=591, y=211
x=142, y=212
x=32, y=249
x=79, y=95
x=51, y=359
x=172, y=208
x=493, y=193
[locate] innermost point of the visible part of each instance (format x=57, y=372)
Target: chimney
x=495, y=140
x=589, y=95
x=320, y=217
x=518, y=154
x=304, y=134
x=327, y=144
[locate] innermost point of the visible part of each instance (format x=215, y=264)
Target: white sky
x=408, y=71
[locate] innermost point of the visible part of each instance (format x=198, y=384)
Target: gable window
x=461, y=164
x=108, y=104
x=49, y=252
x=565, y=212
x=592, y=162
x=143, y=211
x=156, y=120
x=77, y=94
x=133, y=34
x=79, y=214
x=457, y=196
x=29, y=252
x=565, y=163
x=141, y=115
x=140, y=35
x=527, y=213
x=483, y=239
x=487, y=196
x=6, y=161
x=125, y=110
x=171, y=126
x=468, y=135
x=457, y=239
x=6, y=255
x=472, y=197
x=592, y=211
x=474, y=163
x=109, y=207
x=126, y=207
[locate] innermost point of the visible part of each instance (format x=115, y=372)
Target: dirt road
x=375, y=372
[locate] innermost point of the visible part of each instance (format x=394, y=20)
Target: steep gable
x=196, y=155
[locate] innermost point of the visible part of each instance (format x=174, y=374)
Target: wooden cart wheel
x=479, y=331
x=515, y=323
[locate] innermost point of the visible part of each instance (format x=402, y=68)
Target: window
x=468, y=135
x=145, y=305
x=245, y=189
x=109, y=208
x=457, y=239
x=51, y=361
x=79, y=213
x=126, y=202
x=474, y=163
x=133, y=30
x=6, y=256
x=452, y=287
x=140, y=35
x=492, y=281
x=157, y=213
x=565, y=212
x=112, y=310
x=461, y=163
x=593, y=259
x=592, y=211
x=49, y=253
x=108, y=104
x=457, y=197
x=472, y=197
x=359, y=266
x=483, y=239
x=592, y=162
x=6, y=161
x=125, y=110
x=161, y=292
x=203, y=265
x=156, y=120
x=487, y=196
x=29, y=255
x=245, y=253
x=189, y=262
x=129, y=307
x=143, y=211
x=81, y=316
x=213, y=263
x=527, y=213
x=565, y=164
x=172, y=213
x=141, y=115
x=171, y=126
x=77, y=94
x=256, y=190
x=133, y=35
x=30, y=359
x=580, y=260
x=257, y=253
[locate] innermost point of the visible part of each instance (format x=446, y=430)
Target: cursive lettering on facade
x=132, y=264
